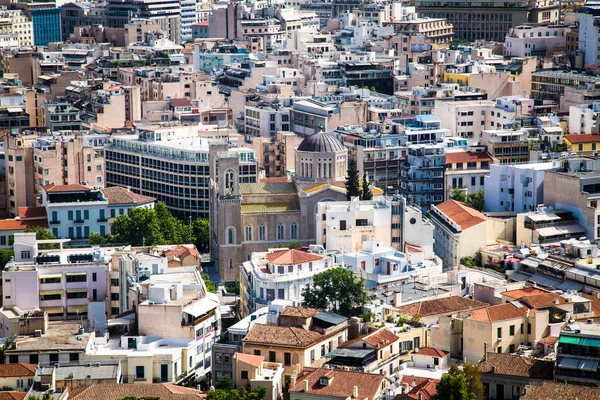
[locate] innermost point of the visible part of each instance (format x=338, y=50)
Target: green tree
x=210, y=285
x=257, y=393
x=336, y=289
x=43, y=234
x=477, y=200
x=472, y=375
x=453, y=387
x=366, y=193
x=225, y=383
x=469, y=261
x=474, y=200
x=5, y=257
x=201, y=230
x=459, y=195
x=96, y=238
x=352, y=181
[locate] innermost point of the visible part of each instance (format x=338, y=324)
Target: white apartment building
x=382, y=265
x=278, y=274
x=532, y=41
x=589, y=36
x=186, y=311
x=67, y=284
x=15, y=24
x=516, y=188
x=347, y=225
x=463, y=118
x=582, y=118
x=265, y=120
x=466, y=170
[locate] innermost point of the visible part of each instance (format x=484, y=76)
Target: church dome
x=321, y=143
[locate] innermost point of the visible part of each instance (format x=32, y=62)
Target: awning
x=349, y=352
x=14, y=109
x=53, y=310
x=76, y=273
x=77, y=290
x=200, y=307
x=53, y=276
x=588, y=365
x=589, y=342
x=569, y=339
x=568, y=363
x=44, y=292
x=74, y=309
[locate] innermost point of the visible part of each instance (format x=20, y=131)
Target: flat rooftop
x=80, y=372
x=59, y=336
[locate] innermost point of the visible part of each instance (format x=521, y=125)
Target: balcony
x=102, y=219
x=78, y=221
x=54, y=222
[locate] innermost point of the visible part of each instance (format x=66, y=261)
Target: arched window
x=262, y=232
x=230, y=234
x=280, y=232
x=248, y=233
x=294, y=232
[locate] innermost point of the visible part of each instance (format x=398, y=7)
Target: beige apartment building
x=34, y=161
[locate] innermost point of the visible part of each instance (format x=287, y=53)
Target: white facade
x=265, y=121
x=464, y=118
x=266, y=277
x=347, y=225
x=62, y=282
x=526, y=40
x=589, y=35
x=515, y=188
x=582, y=118
x=383, y=265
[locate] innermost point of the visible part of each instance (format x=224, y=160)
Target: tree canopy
x=475, y=200
x=257, y=393
x=366, y=193
x=43, y=234
x=157, y=226
x=352, y=181
x=335, y=289
x=460, y=384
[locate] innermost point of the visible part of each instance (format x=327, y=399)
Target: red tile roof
x=118, y=391
x=425, y=389
x=548, y=340
x=21, y=225
x=16, y=370
x=454, y=157
x=341, y=384
x=500, y=312
x=52, y=188
x=305, y=312
x=582, y=138
x=443, y=306
x=32, y=212
x=526, y=291
x=542, y=300
x=560, y=391
x=13, y=395
x=463, y=215
x=249, y=359
x=514, y=365
x=201, y=23
x=292, y=257
x=286, y=336
x=432, y=352
x=121, y=195
x=181, y=251
x=181, y=102
x=377, y=339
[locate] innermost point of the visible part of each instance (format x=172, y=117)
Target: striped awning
x=74, y=309
x=53, y=310
x=45, y=292
x=51, y=276
x=76, y=273
x=77, y=290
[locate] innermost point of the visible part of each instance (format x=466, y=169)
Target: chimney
x=305, y=385
x=355, y=392
x=293, y=379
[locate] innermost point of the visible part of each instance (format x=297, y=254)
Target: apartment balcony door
x=164, y=372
